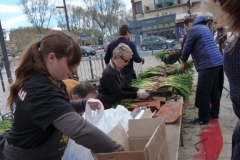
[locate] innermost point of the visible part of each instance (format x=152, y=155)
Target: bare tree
x=80, y=22
x=61, y=19
x=128, y=15
x=115, y=21
x=103, y=11
x=39, y=13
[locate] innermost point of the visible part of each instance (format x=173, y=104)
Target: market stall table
x=174, y=133
x=173, y=130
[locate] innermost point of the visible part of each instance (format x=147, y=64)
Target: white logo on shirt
x=22, y=95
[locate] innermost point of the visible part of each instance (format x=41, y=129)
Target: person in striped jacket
x=208, y=62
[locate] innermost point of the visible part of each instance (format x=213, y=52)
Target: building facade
x=164, y=17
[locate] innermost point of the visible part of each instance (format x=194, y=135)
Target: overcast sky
x=11, y=15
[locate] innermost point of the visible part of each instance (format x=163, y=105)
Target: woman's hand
x=94, y=104
x=142, y=94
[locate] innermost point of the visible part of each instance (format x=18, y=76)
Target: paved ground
x=191, y=134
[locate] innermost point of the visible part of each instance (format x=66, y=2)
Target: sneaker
x=197, y=121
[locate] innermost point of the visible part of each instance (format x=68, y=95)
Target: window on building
x=172, y=24
x=138, y=7
x=158, y=4
x=144, y=28
x=165, y=3
x=155, y=26
x=160, y=25
x=149, y=27
x=166, y=24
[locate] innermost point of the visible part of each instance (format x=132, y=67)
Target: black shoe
x=214, y=118
x=197, y=121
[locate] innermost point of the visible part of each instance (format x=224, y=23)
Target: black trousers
x=209, y=91
x=129, y=77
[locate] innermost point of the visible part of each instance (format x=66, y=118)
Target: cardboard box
x=146, y=141
x=146, y=114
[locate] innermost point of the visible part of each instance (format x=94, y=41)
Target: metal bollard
x=91, y=69
x=102, y=61
x=2, y=80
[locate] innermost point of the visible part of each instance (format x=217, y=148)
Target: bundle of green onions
x=149, y=84
x=166, y=70
x=188, y=69
x=163, y=54
x=181, y=83
x=148, y=73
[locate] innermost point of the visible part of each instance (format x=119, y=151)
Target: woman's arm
x=79, y=105
x=129, y=87
x=126, y=94
x=85, y=134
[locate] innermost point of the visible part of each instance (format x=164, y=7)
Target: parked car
x=156, y=42
x=87, y=51
x=94, y=47
x=100, y=47
x=106, y=47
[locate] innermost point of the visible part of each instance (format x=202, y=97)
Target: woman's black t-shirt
x=37, y=105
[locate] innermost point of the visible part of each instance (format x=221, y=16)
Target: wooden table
x=174, y=134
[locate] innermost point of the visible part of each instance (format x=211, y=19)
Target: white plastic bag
x=105, y=120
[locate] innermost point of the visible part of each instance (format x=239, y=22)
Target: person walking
x=128, y=70
x=44, y=117
x=221, y=37
x=208, y=62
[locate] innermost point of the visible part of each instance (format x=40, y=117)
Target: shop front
x=160, y=26
x=169, y=26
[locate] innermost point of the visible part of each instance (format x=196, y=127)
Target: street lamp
x=189, y=5
x=66, y=15
x=4, y=52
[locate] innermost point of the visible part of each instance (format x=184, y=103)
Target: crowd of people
x=48, y=106
x=44, y=117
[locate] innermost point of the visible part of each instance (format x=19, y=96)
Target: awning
x=183, y=16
